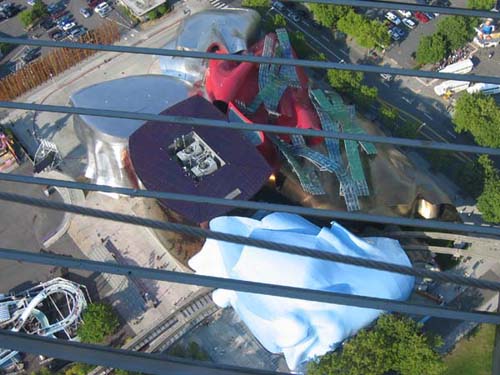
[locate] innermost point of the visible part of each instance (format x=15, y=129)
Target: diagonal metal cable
x=401, y=5
x=254, y=59
x=251, y=287
x=226, y=237
x=150, y=363
x=306, y=211
x=203, y=122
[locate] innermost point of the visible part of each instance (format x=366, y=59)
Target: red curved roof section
x=230, y=81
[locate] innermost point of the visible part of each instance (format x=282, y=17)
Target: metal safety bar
x=254, y=59
x=203, y=122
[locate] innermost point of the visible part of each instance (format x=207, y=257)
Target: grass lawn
x=472, y=356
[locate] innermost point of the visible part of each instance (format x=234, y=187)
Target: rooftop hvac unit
x=205, y=167
x=191, y=151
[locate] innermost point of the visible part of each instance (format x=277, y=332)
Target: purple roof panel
x=245, y=168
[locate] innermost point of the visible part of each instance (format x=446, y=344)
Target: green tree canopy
x=395, y=344
x=368, y=33
x=256, y=3
x=299, y=44
x=481, y=4
x=79, y=369
x=480, y=115
x=431, y=49
x=457, y=31
x=42, y=371
x=345, y=80
x=328, y=15
x=39, y=9
x=99, y=321
x=26, y=17
x=489, y=201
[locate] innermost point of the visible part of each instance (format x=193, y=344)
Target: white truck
x=450, y=87
x=485, y=88
x=461, y=67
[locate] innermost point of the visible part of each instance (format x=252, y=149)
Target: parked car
x=9, y=9
x=405, y=13
x=389, y=24
x=68, y=26
x=421, y=17
x=48, y=24
x=387, y=77
x=429, y=15
x=278, y=5
x=57, y=35
x=77, y=32
x=30, y=2
x=55, y=7
x=31, y=54
x=93, y=3
x=85, y=12
x=102, y=9
x=58, y=14
x=399, y=31
x=64, y=21
x=394, y=35
x=409, y=23
x=393, y=18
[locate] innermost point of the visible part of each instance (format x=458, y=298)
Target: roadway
x=405, y=93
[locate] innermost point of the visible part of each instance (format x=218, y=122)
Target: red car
x=421, y=17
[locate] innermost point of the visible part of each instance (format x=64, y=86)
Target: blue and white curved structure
x=300, y=329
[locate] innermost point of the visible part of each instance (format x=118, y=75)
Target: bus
x=451, y=87
x=485, y=88
x=461, y=67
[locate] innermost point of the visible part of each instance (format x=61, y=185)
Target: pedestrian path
x=218, y=4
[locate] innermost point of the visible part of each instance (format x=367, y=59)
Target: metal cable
x=203, y=122
x=226, y=237
x=399, y=5
x=119, y=358
x=254, y=59
x=251, y=287
x=306, y=211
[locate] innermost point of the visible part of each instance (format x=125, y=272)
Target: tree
x=328, y=15
x=26, y=17
x=345, y=80
x=366, y=95
x=192, y=351
x=481, y=4
x=395, y=344
x=39, y=9
x=42, y=371
x=456, y=30
x=431, y=49
x=279, y=21
x=368, y=33
x=79, y=369
x=119, y=371
x=388, y=114
x=479, y=115
x=489, y=201
x=299, y=44
x=99, y=321
x=256, y=3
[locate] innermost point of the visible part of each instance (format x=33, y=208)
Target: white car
x=387, y=76
x=393, y=18
x=68, y=26
x=405, y=13
x=409, y=23
x=103, y=9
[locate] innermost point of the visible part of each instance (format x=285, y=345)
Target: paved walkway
x=129, y=244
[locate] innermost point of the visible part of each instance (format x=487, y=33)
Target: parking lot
x=13, y=27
